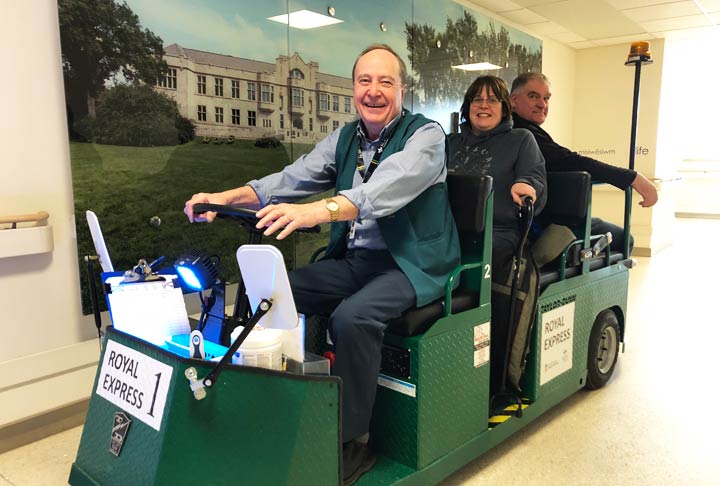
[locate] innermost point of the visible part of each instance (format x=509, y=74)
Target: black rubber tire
x=602, y=349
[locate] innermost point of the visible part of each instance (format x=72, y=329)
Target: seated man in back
x=530, y=99
x=393, y=242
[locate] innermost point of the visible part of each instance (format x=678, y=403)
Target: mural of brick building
x=226, y=95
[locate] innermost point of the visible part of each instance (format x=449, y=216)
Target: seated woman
x=488, y=145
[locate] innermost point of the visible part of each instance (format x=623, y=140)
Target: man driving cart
x=393, y=241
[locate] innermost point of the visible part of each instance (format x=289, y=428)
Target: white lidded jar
x=262, y=348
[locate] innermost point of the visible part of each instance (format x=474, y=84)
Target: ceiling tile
x=623, y=4
x=626, y=39
x=590, y=19
x=665, y=11
x=567, y=37
x=546, y=28
x=524, y=16
x=676, y=23
x=710, y=5
x=583, y=44
x=497, y=6
x=530, y=3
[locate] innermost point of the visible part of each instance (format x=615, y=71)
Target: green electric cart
x=147, y=426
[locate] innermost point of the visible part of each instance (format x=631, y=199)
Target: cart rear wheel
x=603, y=350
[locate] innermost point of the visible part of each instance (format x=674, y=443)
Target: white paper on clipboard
x=149, y=310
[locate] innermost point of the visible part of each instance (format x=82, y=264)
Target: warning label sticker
x=481, y=344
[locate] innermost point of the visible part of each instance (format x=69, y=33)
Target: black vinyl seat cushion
x=550, y=273
x=417, y=320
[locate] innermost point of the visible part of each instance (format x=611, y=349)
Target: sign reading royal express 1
x=134, y=382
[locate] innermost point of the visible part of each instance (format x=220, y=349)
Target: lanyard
x=371, y=169
x=366, y=174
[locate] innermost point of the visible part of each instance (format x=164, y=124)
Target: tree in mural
x=434, y=53
x=101, y=39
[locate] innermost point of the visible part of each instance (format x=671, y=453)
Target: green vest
x=421, y=236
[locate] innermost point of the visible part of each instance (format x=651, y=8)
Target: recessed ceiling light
x=478, y=66
x=304, y=19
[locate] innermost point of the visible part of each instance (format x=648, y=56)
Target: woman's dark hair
x=494, y=85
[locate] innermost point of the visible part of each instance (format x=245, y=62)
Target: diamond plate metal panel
x=451, y=405
x=592, y=293
x=248, y=417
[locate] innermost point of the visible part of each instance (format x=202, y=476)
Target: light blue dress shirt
x=398, y=179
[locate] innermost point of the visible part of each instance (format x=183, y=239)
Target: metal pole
x=639, y=55
x=633, y=138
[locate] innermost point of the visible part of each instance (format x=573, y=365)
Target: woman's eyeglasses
x=491, y=101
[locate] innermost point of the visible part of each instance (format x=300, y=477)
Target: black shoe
x=357, y=460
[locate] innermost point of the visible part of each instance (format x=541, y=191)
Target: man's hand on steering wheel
x=290, y=217
x=203, y=197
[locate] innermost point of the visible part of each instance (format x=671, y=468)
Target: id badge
x=351, y=234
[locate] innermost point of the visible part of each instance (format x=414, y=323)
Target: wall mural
x=166, y=98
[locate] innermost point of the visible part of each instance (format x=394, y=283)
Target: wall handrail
x=25, y=218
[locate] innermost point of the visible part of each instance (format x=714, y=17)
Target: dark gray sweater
x=507, y=155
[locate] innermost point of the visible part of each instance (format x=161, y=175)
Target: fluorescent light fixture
x=305, y=19
x=478, y=66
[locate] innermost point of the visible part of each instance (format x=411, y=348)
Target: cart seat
x=468, y=196
x=569, y=204
x=551, y=275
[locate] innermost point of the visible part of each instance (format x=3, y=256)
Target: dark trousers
x=359, y=294
x=598, y=227
x=504, y=249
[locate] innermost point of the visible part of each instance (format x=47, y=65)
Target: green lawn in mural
x=127, y=186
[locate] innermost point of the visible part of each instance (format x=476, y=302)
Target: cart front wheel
x=603, y=350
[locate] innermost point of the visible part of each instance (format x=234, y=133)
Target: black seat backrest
x=468, y=195
x=568, y=200
x=471, y=204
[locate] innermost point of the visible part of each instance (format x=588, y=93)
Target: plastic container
x=262, y=348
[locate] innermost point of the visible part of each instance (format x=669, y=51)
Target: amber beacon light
x=639, y=51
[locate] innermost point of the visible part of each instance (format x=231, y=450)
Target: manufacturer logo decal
x=121, y=424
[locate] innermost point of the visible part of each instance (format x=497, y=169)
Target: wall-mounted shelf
x=30, y=240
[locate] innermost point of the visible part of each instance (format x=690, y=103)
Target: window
x=201, y=84
x=336, y=103
x=219, y=86
x=347, y=105
x=298, y=123
x=297, y=74
x=298, y=97
x=323, y=128
x=202, y=113
x=251, y=91
x=252, y=118
x=235, y=116
x=324, y=101
x=169, y=80
x=310, y=124
x=336, y=124
x=235, y=88
x=267, y=123
x=282, y=121
x=219, y=114
x=267, y=93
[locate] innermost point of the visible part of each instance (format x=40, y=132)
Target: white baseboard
x=37, y=384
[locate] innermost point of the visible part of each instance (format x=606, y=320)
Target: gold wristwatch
x=334, y=209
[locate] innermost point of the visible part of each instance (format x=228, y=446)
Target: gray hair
x=384, y=47
x=524, y=78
